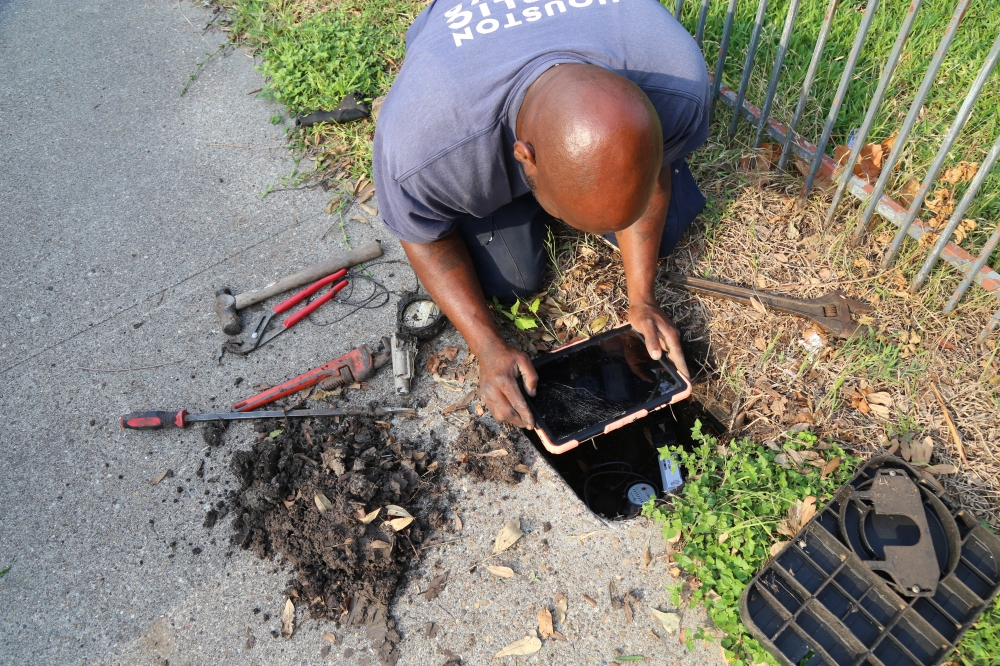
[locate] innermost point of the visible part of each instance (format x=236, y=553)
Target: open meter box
x=598, y=385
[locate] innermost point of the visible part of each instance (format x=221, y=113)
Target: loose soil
x=346, y=571
x=478, y=453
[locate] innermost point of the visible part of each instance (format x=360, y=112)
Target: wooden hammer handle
x=366, y=252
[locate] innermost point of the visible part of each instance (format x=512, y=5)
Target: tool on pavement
x=225, y=308
x=831, y=312
x=354, y=366
x=417, y=318
x=157, y=420
x=367, y=252
x=261, y=336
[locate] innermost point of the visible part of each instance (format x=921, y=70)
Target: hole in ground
x=602, y=470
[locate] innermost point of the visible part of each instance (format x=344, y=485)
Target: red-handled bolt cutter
x=259, y=335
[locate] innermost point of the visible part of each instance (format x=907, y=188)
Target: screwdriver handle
x=153, y=420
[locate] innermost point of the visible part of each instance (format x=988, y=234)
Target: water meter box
x=887, y=574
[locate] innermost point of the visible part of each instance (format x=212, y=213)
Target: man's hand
x=661, y=335
x=445, y=269
x=499, y=369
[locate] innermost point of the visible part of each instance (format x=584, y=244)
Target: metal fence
x=974, y=269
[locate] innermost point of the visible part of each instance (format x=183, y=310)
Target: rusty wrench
x=831, y=312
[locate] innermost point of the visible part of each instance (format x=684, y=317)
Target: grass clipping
x=727, y=519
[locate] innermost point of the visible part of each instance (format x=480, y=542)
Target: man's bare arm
x=445, y=269
x=640, y=244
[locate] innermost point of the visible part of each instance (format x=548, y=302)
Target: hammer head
x=225, y=308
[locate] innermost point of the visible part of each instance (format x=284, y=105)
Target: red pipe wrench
x=354, y=366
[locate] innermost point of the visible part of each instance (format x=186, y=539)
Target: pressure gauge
x=419, y=316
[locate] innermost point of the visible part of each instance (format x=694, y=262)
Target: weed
x=725, y=518
x=6, y=570
x=523, y=320
x=277, y=119
x=981, y=644
x=197, y=68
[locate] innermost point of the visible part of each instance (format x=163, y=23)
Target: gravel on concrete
x=125, y=206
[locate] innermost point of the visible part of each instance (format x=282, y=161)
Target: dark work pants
x=508, y=246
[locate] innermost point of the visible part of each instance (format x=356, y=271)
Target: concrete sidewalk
x=124, y=207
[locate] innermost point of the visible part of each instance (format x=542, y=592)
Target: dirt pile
x=348, y=506
x=486, y=456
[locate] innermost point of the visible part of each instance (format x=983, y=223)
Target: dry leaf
x=646, y=557
x=362, y=220
x=437, y=586
x=527, y=645
x=545, y=623
x=589, y=600
x=159, y=477
x=597, y=326
x=495, y=453
x=508, y=536
x=907, y=192
x=671, y=621
x=322, y=503
x=757, y=305
x=562, y=605
x=332, y=205
x=399, y=524
x=777, y=546
x=458, y=523
x=501, y=572
x=369, y=209
x=522, y=469
x=960, y=172
x=942, y=469
x=799, y=514
x=288, y=619
x=780, y=258
x=331, y=637
x=366, y=517
x=377, y=544
x=397, y=511
x=830, y=467
x=921, y=453
x=760, y=343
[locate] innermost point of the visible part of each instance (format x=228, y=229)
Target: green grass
x=973, y=40
x=6, y=570
x=726, y=516
x=981, y=644
x=315, y=53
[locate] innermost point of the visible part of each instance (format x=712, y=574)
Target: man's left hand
x=661, y=335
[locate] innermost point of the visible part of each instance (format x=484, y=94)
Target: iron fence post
x=956, y=127
x=873, y=107
x=800, y=107
x=758, y=25
x=727, y=33
x=838, y=98
x=779, y=60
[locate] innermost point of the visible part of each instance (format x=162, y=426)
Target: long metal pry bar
x=832, y=312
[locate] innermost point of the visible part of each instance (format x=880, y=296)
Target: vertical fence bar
x=758, y=25
x=727, y=33
x=911, y=117
x=838, y=98
x=956, y=127
x=956, y=216
x=680, y=8
x=970, y=275
x=779, y=60
x=824, y=32
x=990, y=327
x=873, y=107
x=699, y=34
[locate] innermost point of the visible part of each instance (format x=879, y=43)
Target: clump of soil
x=479, y=454
x=346, y=570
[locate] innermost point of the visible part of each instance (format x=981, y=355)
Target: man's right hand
x=445, y=269
x=499, y=369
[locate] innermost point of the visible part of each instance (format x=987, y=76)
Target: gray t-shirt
x=444, y=138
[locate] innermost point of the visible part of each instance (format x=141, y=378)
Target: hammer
x=227, y=306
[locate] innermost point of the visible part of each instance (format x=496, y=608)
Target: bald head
x=590, y=145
